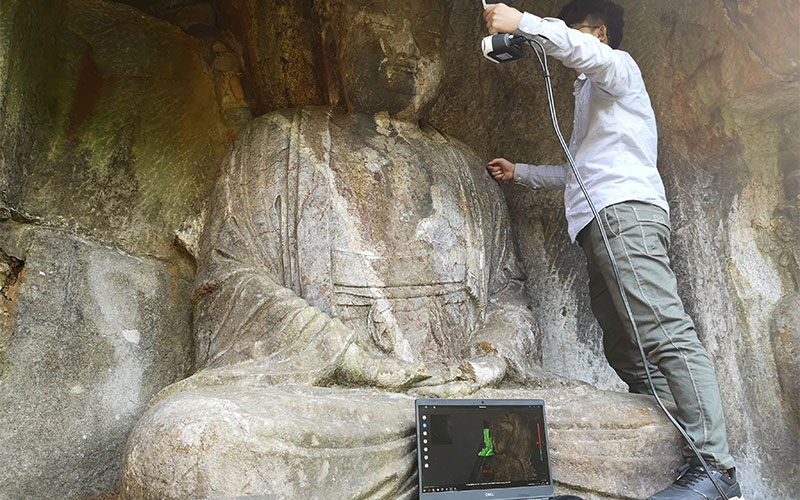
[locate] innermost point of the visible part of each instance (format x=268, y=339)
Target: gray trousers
x=682, y=372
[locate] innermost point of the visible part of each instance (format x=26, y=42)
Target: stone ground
x=115, y=497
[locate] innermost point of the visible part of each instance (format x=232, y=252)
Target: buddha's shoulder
x=448, y=140
x=281, y=121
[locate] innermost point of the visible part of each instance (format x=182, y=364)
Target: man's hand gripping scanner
x=502, y=47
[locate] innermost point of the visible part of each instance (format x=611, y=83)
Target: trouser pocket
x=644, y=225
x=654, y=228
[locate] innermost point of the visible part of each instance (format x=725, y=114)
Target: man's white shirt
x=614, y=138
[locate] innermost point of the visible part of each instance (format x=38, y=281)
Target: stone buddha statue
x=348, y=258
x=362, y=248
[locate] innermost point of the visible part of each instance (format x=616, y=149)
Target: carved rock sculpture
x=347, y=258
x=785, y=336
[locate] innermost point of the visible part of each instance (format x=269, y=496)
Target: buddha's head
x=389, y=53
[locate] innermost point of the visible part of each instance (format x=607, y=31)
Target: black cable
x=546, y=73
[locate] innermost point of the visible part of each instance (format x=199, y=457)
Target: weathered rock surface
x=236, y=441
x=116, y=132
x=90, y=333
x=785, y=332
x=110, y=134
x=281, y=51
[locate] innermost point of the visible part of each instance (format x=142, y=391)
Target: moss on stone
x=111, y=122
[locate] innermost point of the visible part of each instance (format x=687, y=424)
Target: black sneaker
x=694, y=484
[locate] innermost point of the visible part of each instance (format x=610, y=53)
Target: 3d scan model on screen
x=507, y=452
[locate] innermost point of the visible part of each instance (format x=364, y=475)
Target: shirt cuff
x=522, y=174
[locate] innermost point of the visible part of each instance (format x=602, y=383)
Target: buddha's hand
x=464, y=379
x=365, y=369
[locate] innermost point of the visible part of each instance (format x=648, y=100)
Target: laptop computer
x=483, y=448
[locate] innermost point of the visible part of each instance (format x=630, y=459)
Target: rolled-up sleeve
x=541, y=176
x=580, y=51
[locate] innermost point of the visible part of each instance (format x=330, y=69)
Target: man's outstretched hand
x=501, y=169
x=500, y=18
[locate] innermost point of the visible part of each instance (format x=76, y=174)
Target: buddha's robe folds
x=320, y=234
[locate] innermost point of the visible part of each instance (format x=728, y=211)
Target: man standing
x=614, y=144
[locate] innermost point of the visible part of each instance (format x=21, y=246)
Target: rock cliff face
x=113, y=119
x=110, y=134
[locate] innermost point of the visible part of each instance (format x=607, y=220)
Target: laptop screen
x=482, y=448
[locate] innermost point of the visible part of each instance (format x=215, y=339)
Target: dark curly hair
x=604, y=11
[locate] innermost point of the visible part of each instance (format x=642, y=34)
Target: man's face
x=390, y=56
x=592, y=27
